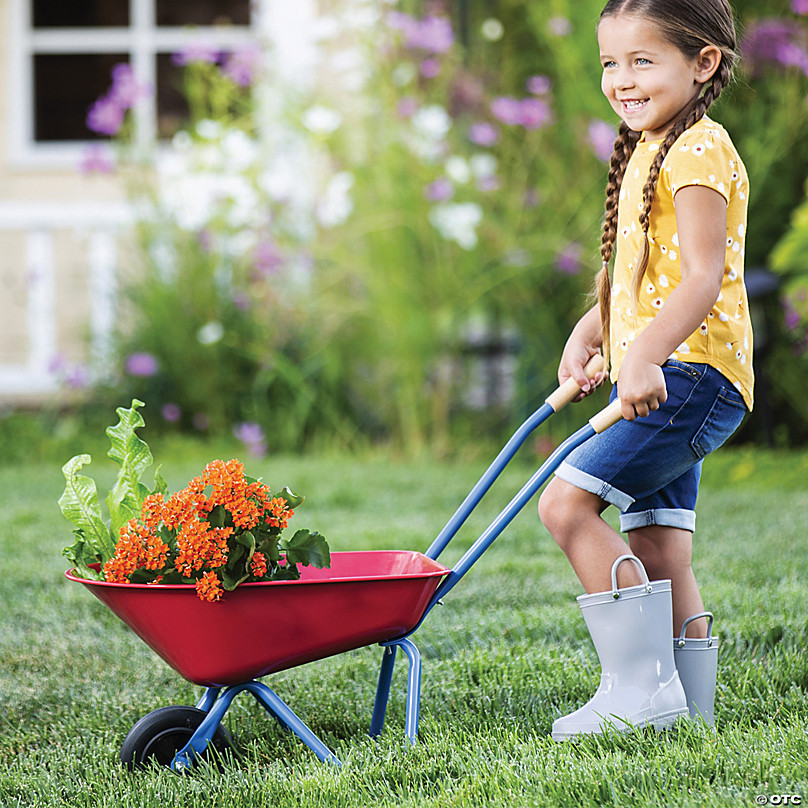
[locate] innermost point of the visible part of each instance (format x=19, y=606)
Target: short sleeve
x=702, y=156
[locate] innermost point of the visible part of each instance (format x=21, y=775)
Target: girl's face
x=648, y=81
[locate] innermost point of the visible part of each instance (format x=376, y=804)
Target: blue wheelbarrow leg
x=273, y=704
x=413, y=688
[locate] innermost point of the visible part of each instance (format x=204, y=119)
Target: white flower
x=403, y=74
x=664, y=282
x=458, y=222
x=335, y=205
x=210, y=130
x=239, y=150
x=458, y=169
x=492, y=29
x=483, y=165
x=432, y=122
x=321, y=120
x=210, y=333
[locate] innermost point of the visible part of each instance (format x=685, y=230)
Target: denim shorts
x=649, y=468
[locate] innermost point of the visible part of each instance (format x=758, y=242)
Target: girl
x=674, y=320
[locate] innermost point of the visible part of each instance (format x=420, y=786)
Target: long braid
x=720, y=80
x=624, y=146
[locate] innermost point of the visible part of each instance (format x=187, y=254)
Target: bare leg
x=573, y=517
x=666, y=553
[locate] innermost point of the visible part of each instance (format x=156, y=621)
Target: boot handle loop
x=710, y=618
x=617, y=563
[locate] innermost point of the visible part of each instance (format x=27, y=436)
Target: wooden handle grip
x=568, y=391
x=607, y=417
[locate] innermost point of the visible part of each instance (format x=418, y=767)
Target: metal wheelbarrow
x=260, y=628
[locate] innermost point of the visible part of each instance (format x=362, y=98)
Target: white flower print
x=729, y=346
x=663, y=249
x=657, y=302
x=698, y=149
x=732, y=274
x=650, y=288
x=712, y=178
x=664, y=282
x=675, y=239
x=683, y=348
x=703, y=328
x=736, y=246
x=684, y=148
x=723, y=317
x=741, y=230
x=672, y=255
x=624, y=344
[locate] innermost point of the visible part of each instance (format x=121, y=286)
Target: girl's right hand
x=573, y=361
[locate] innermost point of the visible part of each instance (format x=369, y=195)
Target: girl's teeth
x=634, y=104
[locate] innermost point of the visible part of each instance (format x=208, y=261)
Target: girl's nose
x=622, y=79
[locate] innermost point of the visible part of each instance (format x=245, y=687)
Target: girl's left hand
x=641, y=387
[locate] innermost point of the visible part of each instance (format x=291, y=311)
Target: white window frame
x=142, y=40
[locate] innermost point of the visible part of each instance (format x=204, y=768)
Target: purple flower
x=105, y=116
x=483, y=134
x=196, y=51
x=267, y=258
x=126, y=89
x=141, y=364
x=559, y=26
x=539, y=85
x=799, y=6
x=407, y=107
x=534, y=113
x=568, y=260
x=601, y=139
x=252, y=436
x=171, y=412
x=440, y=190
x=432, y=34
x=778, y=42
x=506, y=109
x=430, y=68
x=74, y=375
x=243, y=65
x=96, y=159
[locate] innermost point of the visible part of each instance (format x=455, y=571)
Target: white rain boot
x=639, y=684
x=697, y=663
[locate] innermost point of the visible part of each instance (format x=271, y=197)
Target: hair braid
x=720, y=80
x=624, y=146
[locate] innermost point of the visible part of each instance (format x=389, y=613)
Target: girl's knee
x=561, y=508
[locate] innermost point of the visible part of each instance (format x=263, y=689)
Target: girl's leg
x=573, y=517
x=666, y=553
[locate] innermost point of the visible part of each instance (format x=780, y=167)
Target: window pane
x=172, y=108
x=203, y=12
x=65, y=87
x=79, y=13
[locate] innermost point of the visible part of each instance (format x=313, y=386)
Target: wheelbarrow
x=364, y=598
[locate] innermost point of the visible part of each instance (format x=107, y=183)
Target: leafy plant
x=221, y=530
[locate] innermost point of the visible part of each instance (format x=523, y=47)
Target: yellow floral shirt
x=703, y=155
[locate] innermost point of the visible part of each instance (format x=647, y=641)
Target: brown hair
x=689, y=25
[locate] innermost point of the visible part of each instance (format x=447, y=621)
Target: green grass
x=506, y=655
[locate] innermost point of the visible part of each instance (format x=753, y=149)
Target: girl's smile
x=649, y=82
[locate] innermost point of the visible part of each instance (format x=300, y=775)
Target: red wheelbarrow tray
x=365, y=597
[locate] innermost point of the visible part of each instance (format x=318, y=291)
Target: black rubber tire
x=158, y=736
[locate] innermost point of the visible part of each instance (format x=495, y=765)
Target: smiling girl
x=673, y=319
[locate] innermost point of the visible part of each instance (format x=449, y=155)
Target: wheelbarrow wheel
x=158, y=736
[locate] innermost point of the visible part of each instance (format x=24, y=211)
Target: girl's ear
x=707, y=63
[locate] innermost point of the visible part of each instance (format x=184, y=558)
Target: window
x=61, y=55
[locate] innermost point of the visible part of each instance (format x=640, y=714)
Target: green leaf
x=132, y=454
x=294, y=500
x=307, y=548
x=217, y=516
x=160, y=485
x=81, y=556
x=79, y=504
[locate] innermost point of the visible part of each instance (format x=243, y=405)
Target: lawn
x=505, y=656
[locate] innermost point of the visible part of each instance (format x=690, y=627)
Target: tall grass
x=506, y=655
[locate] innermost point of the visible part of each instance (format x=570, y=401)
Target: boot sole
x=659, y=722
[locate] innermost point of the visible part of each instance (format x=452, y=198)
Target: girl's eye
x=643, y=61
x=609, y=64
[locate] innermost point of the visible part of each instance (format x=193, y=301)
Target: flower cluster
x=106, y=116
x=222, y=529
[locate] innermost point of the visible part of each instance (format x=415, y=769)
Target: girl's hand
x=641, y=387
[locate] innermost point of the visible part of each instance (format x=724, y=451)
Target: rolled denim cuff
x=580, y=479
x=666, y=517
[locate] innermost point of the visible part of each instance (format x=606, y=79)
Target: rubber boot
x=639, y=683
x=697, y=663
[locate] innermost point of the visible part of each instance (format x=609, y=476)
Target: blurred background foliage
x=396, y=253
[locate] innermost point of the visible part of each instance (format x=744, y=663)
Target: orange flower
x=258, y=565
x=209, y=587
x=136, y=548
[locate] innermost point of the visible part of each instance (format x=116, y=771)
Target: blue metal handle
x=507, y=515
x=487, y=480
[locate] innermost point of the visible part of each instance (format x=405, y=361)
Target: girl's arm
x=584, y=342
x=701, y=223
